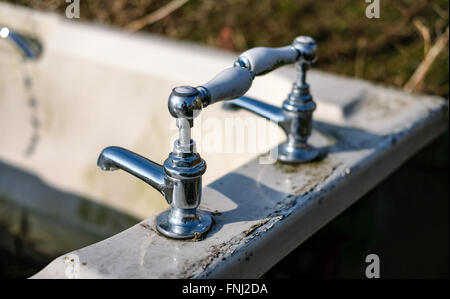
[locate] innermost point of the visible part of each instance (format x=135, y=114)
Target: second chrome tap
x=295, y=115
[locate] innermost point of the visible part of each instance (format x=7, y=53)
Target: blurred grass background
x=386, y=50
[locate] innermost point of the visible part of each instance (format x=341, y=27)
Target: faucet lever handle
x=229, y=84
x=262, y=60
x=186, y=101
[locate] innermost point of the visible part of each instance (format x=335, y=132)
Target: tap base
x=188, y=228
x=297, y=154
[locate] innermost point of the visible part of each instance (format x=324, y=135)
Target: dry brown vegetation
x=387, y=50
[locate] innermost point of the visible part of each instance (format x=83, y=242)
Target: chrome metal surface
x=113, y=158
x=179, y=180
x=179, y=224
x=29, y=47
x=185, y=102
x=307, y=48
x=295, y=116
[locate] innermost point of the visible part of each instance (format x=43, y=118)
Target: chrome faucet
x=29, y=47
x=179, y=179
x=295, y=115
